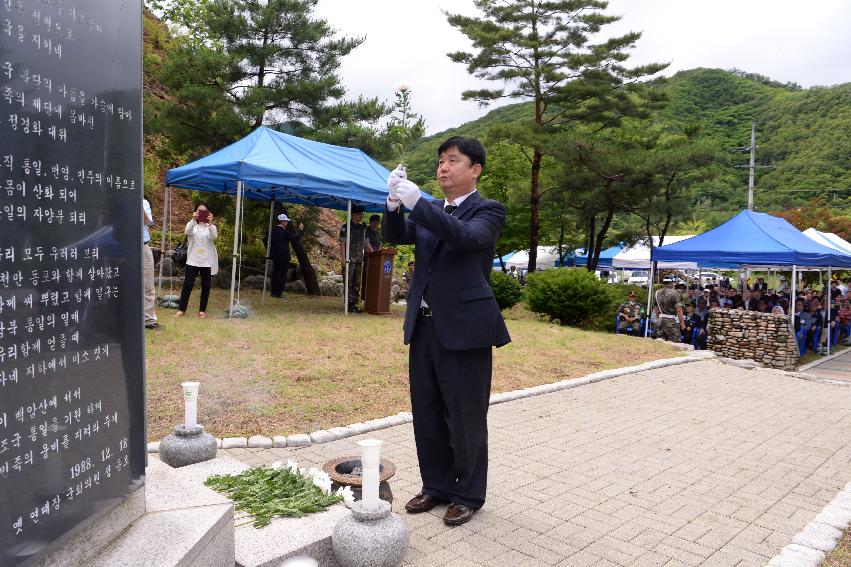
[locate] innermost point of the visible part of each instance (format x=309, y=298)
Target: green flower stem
x=264, y=493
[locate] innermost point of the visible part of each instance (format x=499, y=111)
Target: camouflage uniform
x=356, y=247
x=634, y=310
x=668, y=327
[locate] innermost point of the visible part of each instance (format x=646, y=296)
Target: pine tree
x=542, y=51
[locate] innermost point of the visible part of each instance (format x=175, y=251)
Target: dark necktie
x=449, y=209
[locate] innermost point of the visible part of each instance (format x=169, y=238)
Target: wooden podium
x=379, y=281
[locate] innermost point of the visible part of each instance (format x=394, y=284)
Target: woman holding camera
x=201, y=258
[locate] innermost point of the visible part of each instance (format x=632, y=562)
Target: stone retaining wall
x=765, y=338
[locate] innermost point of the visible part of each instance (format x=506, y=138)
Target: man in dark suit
x=452, y=324
x=279, y=252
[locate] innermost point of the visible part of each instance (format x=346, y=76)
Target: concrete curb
x=335, y=433
x=799, y=374
x=695, y=356
x=818, y=538
x=820, y=380
x=814, y=363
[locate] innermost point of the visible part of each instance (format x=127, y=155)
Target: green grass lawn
x=841, y=554
x=298, y=364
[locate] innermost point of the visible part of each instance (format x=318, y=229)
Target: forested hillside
x=804, y=151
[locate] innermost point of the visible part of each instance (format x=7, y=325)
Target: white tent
x=637, y=257
x=829, y=239
x=547, y=258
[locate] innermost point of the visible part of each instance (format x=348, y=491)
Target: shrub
x=506, y=289
x=571, y=296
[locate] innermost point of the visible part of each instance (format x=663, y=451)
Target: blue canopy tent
x=752, y=239
x=605, y=260
x=568, y=261
x=497, y=264
x=268, y=165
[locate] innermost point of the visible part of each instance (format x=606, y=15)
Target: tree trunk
x=607, y=222
x=261, y=76
x=307, y=272
x=499, y=255
x=591, y=264
x=534, y=214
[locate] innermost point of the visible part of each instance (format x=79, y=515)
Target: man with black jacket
x=452, y=323
x=279, y=252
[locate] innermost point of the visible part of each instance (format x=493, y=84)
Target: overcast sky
x=407, y=40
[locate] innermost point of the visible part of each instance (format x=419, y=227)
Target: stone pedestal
x=187, y=447
x=370, y=538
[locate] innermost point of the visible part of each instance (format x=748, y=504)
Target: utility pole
x=751, y=166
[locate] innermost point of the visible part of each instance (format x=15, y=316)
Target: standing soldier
x=373, y=244
x=670, y=313
x=356, y=247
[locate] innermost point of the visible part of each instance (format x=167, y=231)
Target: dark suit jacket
x=279, y=251
x=454, y=255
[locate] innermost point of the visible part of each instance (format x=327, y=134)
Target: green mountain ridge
x=803, y=147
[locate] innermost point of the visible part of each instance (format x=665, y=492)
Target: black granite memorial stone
x=72, y=427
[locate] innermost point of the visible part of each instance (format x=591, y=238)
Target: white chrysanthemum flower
x=277, y=465
x=403, y=87
x=347, y=494
x=292, y=465
x=322, y=480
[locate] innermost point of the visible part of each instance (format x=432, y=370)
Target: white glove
x=408, y=193
x=393, y=180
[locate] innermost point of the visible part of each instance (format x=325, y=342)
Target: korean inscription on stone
x=71, y=335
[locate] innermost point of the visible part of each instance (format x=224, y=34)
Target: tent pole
x=268, y=246
x=794, y=298
x=829, y=332
x=166, y=199
x=348, y=242
x=649, y=297
x=235, y=245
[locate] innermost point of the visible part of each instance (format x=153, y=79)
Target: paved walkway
x=700, y=464
x=835, y=368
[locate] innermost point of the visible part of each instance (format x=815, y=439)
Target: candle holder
x=370, y=538
x=190, y=404
x=189, y=444
x=348, y=471
x=371, y=461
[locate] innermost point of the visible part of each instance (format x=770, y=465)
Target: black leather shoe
x=422, y=503
x=457, y=514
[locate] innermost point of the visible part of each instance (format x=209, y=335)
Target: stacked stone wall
x=765, y=338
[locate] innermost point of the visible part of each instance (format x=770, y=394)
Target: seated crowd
x=812, y=325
